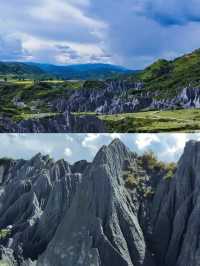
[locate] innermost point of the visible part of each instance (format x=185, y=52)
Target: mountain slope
x=172, y=75
x=15, y=68
x=79, y=71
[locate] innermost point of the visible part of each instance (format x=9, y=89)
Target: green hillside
x=169, y=76
x=15, y=68
x=92, y=71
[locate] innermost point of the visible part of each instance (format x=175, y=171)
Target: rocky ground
x=61, y=123
x=112, y=211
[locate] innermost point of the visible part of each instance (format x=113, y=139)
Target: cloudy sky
x=74, y=147
x=132, y=33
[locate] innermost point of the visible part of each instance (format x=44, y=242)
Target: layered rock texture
x=62, y=123
x=112, y=211
x=125, y=97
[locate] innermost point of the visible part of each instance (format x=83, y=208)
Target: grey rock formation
x=176, y=211
x=107, y=231
x=189, y=97
x=33, y=198
x=112, y=98
x=85, y=214
x=80, y=166
x=124, y=97
x=62, y=123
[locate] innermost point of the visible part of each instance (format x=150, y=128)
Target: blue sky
x=74, y=147
x=132, y=33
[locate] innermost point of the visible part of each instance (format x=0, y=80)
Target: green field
x=34, y=95
x=185, y=120
x=154, y=121
x=33, y=116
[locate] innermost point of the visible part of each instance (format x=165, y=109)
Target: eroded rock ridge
x=112, y=211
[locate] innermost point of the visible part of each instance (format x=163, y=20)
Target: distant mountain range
x=161, y=74
x=84, y=71
x=79, y=71
x=15, y=68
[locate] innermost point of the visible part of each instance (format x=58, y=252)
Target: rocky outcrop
x=62, y=123
x=124, y=97
x=107, y=231
x=33, y=198
x=189, y=97
x=176, y=210
x=86, y=214
x=113, y=97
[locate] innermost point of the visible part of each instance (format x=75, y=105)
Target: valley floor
x=184, y=120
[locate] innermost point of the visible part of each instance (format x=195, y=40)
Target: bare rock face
x=107, y=231
x=176, y=230
x=33, y=199
x=190, y=97
x=53, y=213
x=111, y=98
x=124, y=97
x=62, y=123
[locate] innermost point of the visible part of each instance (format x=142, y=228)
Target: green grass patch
x=4, y=233
x=187, y=120
x=84, y=113
x=21, y=117
x=29, y=92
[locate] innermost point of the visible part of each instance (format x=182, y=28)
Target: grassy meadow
x=187, y=120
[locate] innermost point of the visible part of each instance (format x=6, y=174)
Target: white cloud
x=133, y=33
x=62, y=52
x=180, y=140
x=93, y=142
x=63, y=11
x=145, y=140
x=90, y=142
x=32, y=145
x=116, y=136
x=84, y=3
x=176, y=146
x=68, y=152
x=69, y=138
x=41, y=26
x=74, y=147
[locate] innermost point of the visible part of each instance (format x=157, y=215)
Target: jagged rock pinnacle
x=83, y=214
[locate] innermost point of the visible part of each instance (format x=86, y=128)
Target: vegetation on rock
x=170, y=76
x=4, y=233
